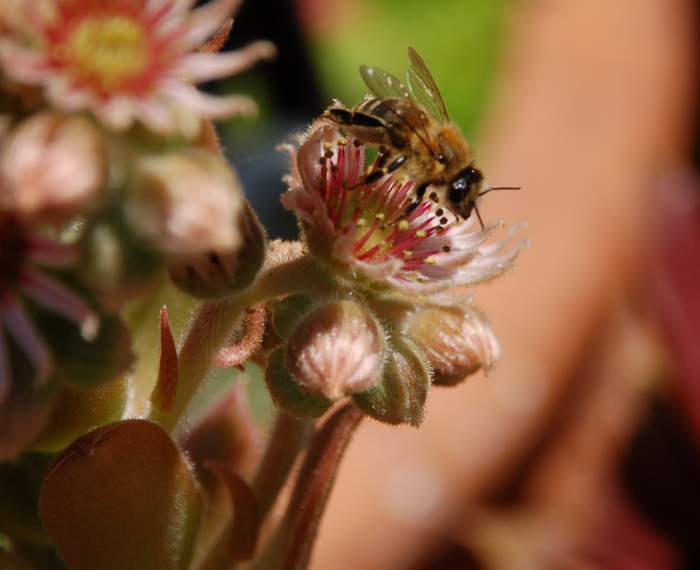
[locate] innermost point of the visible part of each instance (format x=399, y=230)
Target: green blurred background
x=459, y=39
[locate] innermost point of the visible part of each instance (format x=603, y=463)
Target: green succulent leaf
x=122, y=496
x=79, y=411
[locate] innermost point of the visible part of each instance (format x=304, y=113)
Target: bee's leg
x=396, y=163
x=352, y=118
x=372, y=177
x=420, y=192
x=379, y=162
x=412, y=206
x=379, y=170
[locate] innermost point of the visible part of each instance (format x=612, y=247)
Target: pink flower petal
x=51, y=253
x=23, y=64
x=205, y=21
x=211, y=106
x=54, y=296
x=22, y=330
x=206, y=66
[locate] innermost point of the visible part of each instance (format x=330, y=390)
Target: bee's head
x=466, y=184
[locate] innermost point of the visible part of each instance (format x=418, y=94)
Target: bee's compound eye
x=459, y=184
x=473, y=175
x=456, y=191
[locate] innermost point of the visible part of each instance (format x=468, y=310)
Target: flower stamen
x=109, y=52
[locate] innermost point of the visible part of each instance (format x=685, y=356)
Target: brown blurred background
x=581, y=451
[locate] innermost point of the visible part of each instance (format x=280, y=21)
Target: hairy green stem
x=290, y=548
x=288, y=438
x=214, y=321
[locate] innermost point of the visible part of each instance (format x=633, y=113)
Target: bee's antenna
x=491, y=189
x=478, y=215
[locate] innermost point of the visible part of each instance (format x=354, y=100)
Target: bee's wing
x=424, y=91
x=383, y=84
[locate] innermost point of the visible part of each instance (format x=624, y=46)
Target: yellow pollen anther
x=108, y=50
x=361, y=222
x=403, y=225
x=408, y=254
x=421, y=234
x=430, y=260
x=380, y=216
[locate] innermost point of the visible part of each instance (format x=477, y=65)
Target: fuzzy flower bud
x=457, y=341
x=217, y=273
x=54, y=166
x=286, y=392
x=186, y=203
x=400, y=396
x=337, y=349
x=116, y=264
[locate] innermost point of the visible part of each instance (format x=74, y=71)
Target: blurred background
x=581, y=451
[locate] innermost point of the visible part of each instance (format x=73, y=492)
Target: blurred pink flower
x=127, y=60
x=675, y=286
x=21, y=255
x=365, y=227
x=53, y=166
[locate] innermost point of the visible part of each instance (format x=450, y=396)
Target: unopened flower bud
x=457, y=341
x=286, y=392
x=337, y=349
x=288, y=311
x=220, y=272
x=117, y=264
x=186, y=203
x=87, y=363
x=54, y=166
x=400, y=396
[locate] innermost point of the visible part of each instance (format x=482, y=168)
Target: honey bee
x=413, y=131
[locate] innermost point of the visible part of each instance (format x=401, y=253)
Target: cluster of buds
x=395, y=316
x=108, y=179
x=114, y=195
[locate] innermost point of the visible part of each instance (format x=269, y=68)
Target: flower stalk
x=314, y=485
x=214, y=321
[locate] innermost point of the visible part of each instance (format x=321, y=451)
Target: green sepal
x=287, y=393
x=214, y=274
x=288, y=311
x=400, y=396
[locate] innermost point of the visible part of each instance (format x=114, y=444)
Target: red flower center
x=109, y=49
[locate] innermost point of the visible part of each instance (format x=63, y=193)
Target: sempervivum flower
x=21, y=256
x=127, y=60
x=370, y=229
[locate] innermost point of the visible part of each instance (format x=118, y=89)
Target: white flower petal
x=205, y=21
x=211, y=106
x=199, y=67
